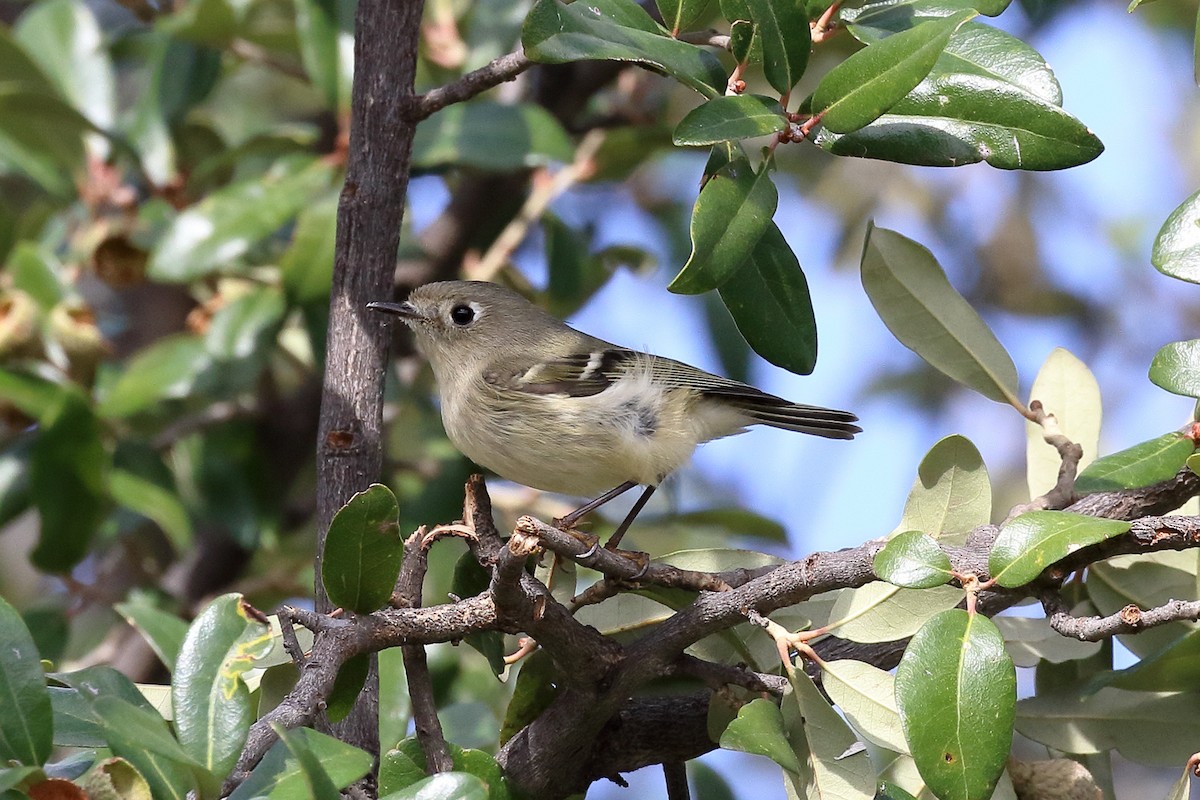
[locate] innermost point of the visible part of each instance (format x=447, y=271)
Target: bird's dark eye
x=462, y=315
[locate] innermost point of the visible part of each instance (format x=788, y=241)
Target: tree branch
x=1129, y=619
x=505, y=68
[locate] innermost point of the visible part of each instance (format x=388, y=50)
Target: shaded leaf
x=952, y=493
x=867, y=696
x=1174, y=669
x=769, y=300
x=363, y=551
x=350, y=680
x=956, y=690
x=142, y=738
x=679, y=14
x=164, y=632
x=316, y=780
x=26, y=718
x=1146, y=581
x=153, y=502
x=782, y=28
x=165, y=370
x=279, y=775
x=469, y=580
x=834, y=764
x=1067, y=389
x=1029, y=640
x=919, y=306
x=881, y=612
x=758, y=730
x=1037, y=539
x=518, y=137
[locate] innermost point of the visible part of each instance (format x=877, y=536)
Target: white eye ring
x=463, y=314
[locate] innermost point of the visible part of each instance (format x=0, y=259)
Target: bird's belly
x=578, y=446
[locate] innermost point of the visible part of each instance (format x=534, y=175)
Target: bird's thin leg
x=633, y=512
x=592, y=505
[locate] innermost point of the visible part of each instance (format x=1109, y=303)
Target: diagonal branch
x=505, y=68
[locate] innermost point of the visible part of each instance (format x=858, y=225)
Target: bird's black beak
x=406, y=309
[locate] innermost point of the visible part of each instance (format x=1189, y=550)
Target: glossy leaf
x=952, y=493
x=68, y=482
x=279, y=775
x=864, y=86
x=913, y=298
x=742, y=35
x=154, y=503
x=404, y=765
x=363, y=551
x=867, y=696
x=731, y=215
x=443, y=786
x=769, y=301
x=141, y=737
x=1176, y=368
x=758, y=730
x=834, y=765
x=956, y=690
x=164, y=632
x=1177, y=247
x=913, y=560
x=1037, y=539
x=26, y=719
x=211, y=703
x=1148, y=727
x=214, y=234
x=1141, y=465
x=616, y=30
x=728, y=118
x=1067, y=389
x=518, y=137
x=166, y=370
x=782, y=28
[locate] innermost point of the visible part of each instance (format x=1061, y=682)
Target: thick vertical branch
x=349, y=449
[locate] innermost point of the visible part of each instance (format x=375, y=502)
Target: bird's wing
x=587, y=374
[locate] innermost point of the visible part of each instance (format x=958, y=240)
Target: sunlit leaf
x=1141, y=465
x=1067, y=389
x=1176, y=368
x=758, y=730
x=363, y=551
x=952, y=493
x=1037, y=539
x=913, y=560
x=734, y=117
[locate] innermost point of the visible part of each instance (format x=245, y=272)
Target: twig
x=675, y=774
x=719, y=675
x=505, y=68
x=287, y=633
x=1063, y=492
x=416, y=665
x=543, y=194
x=1129, y=619
x=709, y=38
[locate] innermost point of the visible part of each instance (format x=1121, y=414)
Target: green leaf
x=919, y=306
x=324, y=31
x=247, y=326
x=864, y=86
x=1176, y=368
x=1175, y=669
x=769, y=300
x=728, y=118
x=956, y=690
x=679, y=14
x=1067, y=389
x=404, y=765
x=153, y=502
x=316, y=780
x=1037, y=539
x=68, y=470
x=1030, y=640
x=350, y=680
x=616, y=30
x=1141, y=465
x=36, y=271
x=833, y=764
x=913, y=560
x=142, y=738
x=165, y=370
x=469, y=580
x=535, y=688
x=307, y=264
x=731, y=215
x=363, y=551
x=41, y=136
x=952, y=493
x=758, y=730
x=278, y=775
x=741, y=39
x=1176, y=250
x=443, y=786
x=64, y=37
x=162, y=631
x=519, y=137
x=26, y=718
x=1147, y=581
x=215, y=234
x=211, y=703
x=31, y=393
x=782, y=27
x=881, y=612
x=867, y=696
x=1147, y=727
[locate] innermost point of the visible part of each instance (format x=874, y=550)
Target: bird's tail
x=767, y=409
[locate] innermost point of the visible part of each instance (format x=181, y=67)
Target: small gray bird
x=544, y=405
